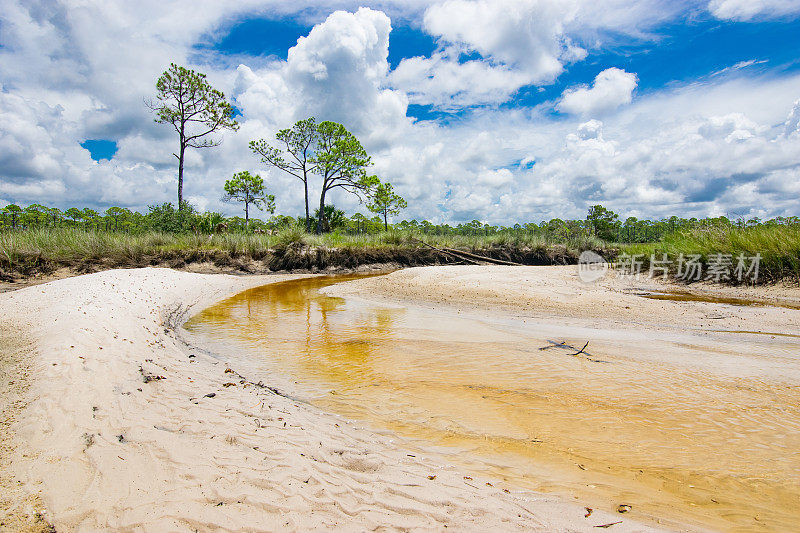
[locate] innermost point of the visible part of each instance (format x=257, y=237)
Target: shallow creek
x=699, y=429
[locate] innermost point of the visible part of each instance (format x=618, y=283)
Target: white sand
x=103, y=450
x=557, y=292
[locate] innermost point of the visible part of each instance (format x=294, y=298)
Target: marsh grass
x=46, y=249
x=779, y=246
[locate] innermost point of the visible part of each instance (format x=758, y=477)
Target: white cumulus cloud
x=337, y=73
x=524, y=34
x=520, y=42
x=792, y=124
x=744, y=10
x=450, y=85
x=489, y=49
x=612, y=88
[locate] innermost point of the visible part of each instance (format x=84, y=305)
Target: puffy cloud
x=612, y=88
x=264, y=95
x=27, y=137
x=527, y=35
x=41, y=161
x=681, y=158
x=588, y=131
x=696, y=150
x=450, y=85
x=341, y=65
x=335, y=73
x=745, y=10
x=496, y=178
x=792, y=124
x=521, y=42
x=734, y=127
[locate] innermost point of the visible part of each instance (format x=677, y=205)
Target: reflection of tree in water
x=297, y=327
x=345, y=346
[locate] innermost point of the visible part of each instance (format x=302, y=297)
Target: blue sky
x=257, y=36
x=687, y=53
x=505, y=111
x=100, y=149
x=676, y=52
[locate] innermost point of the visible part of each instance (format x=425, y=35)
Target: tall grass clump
x=42, y=249
x=292, y=235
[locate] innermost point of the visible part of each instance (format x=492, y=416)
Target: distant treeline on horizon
x=600, y=222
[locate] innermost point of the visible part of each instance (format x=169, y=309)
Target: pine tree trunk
x=308, y=213
x=321, y=217
x=180, y=176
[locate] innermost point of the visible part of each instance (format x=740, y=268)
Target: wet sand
x=124, y=426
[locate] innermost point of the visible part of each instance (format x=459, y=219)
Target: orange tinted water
x=684, y=296
x=698, y=428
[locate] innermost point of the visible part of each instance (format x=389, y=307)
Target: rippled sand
x=685, y=410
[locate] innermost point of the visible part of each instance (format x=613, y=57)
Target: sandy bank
x=556, y=291
x=124, y=427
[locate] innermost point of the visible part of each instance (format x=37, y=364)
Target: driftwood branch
x=482, y=258
x=563, y=344
x=468, y=257
x=582, y=349
x=554, y=344
x=449, y=254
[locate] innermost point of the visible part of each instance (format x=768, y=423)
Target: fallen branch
x=482, y=258
x=449, y=254
x=466, y=256
x=554, y=344
x=582, y=349
x=609, y=524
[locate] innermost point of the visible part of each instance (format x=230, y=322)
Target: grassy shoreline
x=778, y=247
x=45, y=250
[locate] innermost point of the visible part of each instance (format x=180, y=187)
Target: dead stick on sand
x=582, y=349
x=556, y=345
x=563, y=344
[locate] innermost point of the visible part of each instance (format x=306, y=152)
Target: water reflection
x=690, y=427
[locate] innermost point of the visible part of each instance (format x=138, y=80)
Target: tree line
x=599, y=222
